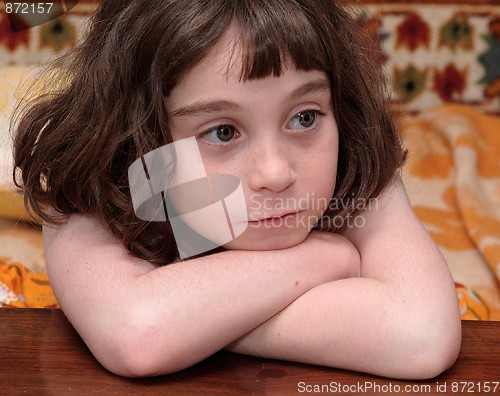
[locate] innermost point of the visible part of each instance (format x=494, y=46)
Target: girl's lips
x=275, y=219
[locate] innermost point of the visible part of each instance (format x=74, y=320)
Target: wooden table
x=41, y=354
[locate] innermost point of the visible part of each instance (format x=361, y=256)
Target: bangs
x=269, y=36
x=277, y=36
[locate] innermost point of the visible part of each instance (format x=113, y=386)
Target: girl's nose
x=272, y=168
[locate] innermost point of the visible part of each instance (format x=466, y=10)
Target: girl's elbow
x=138, y=349
x=129, y=360
x=134, y=362
x=443, y=356
x=437, y=348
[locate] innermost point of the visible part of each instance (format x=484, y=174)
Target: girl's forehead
x=229, y=57
x=226, y=56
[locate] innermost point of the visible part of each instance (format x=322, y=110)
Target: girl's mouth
x=275, y=220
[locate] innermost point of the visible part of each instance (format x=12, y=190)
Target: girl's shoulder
x=375, y=213
x=83, y=244
x=388, y=230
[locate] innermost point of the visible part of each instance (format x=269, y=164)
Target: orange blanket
x=21, y=288
x=453, y=180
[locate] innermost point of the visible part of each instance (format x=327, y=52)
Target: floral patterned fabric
x=437, y=52
x=37, y=45
x=434, y=52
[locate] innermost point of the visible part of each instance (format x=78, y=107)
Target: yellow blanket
x=453, y=179
x=21, y=288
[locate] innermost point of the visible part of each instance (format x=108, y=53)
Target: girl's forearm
x=141, y=320
x=363, y=325
x=209, y=302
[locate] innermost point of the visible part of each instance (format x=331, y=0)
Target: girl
x=280, y=94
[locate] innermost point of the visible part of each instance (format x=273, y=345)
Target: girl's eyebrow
x=318, y=87
x=206, y=107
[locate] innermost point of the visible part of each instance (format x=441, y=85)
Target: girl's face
x=278, y=135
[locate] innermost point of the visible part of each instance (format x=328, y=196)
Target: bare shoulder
x=386, y=213
x=85, y=237
x=82, y=255
x=391, y=237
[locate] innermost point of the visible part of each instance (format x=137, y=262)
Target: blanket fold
x=452, y=177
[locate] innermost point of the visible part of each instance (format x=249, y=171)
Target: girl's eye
x=303, y=120
x=220, y=134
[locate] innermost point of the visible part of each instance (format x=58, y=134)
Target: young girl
x=332, y=269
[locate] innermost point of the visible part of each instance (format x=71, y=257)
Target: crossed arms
x=378, y=299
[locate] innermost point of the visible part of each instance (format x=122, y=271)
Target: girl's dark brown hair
x=73, y=146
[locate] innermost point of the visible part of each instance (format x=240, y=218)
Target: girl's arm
x=138, y=319
x=399, y=319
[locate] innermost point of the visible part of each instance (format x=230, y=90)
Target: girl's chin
x=276, y=242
